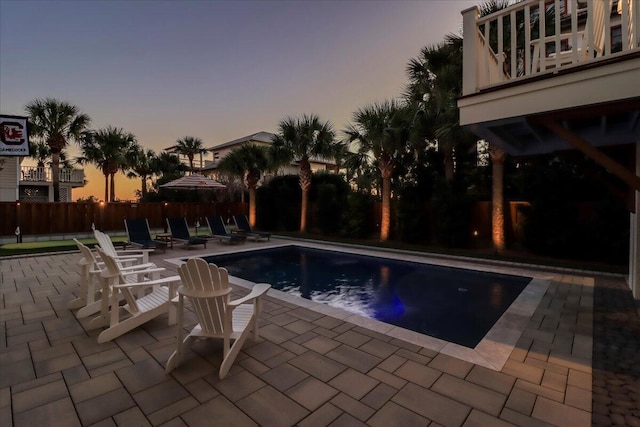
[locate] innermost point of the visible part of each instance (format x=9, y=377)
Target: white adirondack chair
x=137, y=256
x=88, y=271
x=208, y=290
x=89, y=300
x=141, y=309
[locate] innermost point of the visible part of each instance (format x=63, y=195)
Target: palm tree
x=167, y=166
x=110, y=149
x=142, y=167
x=303, y=138
x=382, y=129
x=435, y=79
x=190, y=146
x=56, y=122
x=248, y=160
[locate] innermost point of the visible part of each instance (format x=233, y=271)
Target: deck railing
x=38, y=174
x=533, y=37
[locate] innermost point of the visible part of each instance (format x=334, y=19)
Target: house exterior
x=34, y=184
x=576, y=87
x=218, y=152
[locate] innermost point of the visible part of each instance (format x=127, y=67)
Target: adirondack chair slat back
x=112, y=273
x=207, y=287
x=87, y=255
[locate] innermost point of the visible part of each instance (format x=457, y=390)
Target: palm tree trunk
x=113, y=188
x=448, y=164
x=305, y=185
x=252, y=206
x=497, y=211
x=106, y=187
x=144, y=186
x=385, y=221
x=55, y=175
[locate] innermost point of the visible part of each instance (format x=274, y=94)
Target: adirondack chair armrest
x=138, y=252
x=128, y=257
x=257, y=291
x=141, y=271
x=139, y=267
x=162, y=281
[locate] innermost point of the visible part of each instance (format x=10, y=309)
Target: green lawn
x=48, y=246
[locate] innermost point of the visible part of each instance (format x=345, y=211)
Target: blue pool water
x=452, y=304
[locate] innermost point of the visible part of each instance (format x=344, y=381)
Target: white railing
x=533, y=37
x=38, y=174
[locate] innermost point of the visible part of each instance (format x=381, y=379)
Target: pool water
x=456, y=305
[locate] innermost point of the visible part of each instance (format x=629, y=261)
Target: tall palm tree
x=111, y=150
x=141, y=166
x=435, y=78
x=303, y=138
x=382, y=129
x=247, y=160
x=56, y=122
x=190, y=146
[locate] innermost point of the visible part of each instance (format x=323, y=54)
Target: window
x=216, y=156
x=616, y=38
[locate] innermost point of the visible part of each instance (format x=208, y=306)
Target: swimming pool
x=453, y=304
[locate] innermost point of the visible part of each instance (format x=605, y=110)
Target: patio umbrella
x=193, y=182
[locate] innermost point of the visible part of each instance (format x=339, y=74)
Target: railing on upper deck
x=38, y=174
x=537, y=36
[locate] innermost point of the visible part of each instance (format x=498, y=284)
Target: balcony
x=38, y=175
x=534, y=38
x=522, y=75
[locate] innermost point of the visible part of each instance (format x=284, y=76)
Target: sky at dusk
x=216, y=70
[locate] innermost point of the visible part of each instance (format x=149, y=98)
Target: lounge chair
x=132, y=256
x=142, y=309
x=243, y=225
x=180, y=231
x=219, y=232
x=207, y=288
x=139, y=234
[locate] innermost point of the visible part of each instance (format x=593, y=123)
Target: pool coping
x=491, y=352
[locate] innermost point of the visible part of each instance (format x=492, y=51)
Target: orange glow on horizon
x=125, y=187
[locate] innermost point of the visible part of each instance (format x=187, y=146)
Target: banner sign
x=14, y=140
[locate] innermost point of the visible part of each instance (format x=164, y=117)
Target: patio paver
x=309, y=368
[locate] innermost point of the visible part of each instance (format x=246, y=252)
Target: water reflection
x=453, y=304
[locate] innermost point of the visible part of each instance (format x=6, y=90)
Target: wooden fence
x=70, y=218
x=77, y=218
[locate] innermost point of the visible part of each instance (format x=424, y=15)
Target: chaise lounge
x=180, y=232
x=219, y=232
x=140, y=235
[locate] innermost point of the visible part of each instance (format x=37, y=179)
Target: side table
x=167, y=238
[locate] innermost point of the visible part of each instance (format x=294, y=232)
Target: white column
x=469, y=50
x=634, y=238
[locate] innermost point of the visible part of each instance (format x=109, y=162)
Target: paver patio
x=306, y=369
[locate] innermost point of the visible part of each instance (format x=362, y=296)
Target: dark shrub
x=357, y=217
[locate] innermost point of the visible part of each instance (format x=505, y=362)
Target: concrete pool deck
x=307, y=368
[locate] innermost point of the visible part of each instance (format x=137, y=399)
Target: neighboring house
x=265, y=139
x=530, y=100
x=34, y=184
